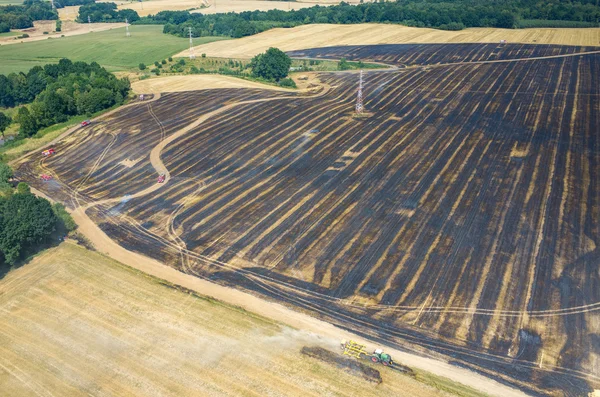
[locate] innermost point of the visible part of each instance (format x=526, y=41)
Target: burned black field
x=461, y=217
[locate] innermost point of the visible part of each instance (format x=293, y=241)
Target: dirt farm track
x=460, y=217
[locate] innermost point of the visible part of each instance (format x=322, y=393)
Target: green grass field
x=9, y=34
x=109, y=48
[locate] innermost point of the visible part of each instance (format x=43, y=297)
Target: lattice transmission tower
x=127, y=34
x=359, y=95
x=192, y=55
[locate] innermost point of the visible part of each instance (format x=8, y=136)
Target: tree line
x=105, y=12
x=57, y=91
x=27, y=222
x=450, y=15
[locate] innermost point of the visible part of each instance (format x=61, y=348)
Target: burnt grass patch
x=462, y=217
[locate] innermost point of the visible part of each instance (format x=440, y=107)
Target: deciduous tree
x=272, y=65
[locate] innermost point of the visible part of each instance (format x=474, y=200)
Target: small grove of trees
x=22, y=16
x=273, y=65
x=26, y=221
x=105, y=12
x=58, y=91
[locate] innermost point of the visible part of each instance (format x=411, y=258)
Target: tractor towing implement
x=359, y=351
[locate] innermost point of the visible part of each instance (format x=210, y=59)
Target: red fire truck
x=48, y=152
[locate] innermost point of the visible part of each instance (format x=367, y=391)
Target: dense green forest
x=22, y=16
x=105, y=12
x=448, y=14
x=58, y=91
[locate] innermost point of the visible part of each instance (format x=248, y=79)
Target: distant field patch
x=109, y=48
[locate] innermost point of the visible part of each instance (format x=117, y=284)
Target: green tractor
x=379, y=356
x=359, y=351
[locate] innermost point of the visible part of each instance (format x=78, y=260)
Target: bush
x=343, y=64
x=142, y=66
x=24, y=36
x=45, y=32
x=170, y=59
x=164, y=61
x=176, y=68
x=453, y=26
x=182, y=62
x=203, y=55
x=156, y=71
x=58, y=25
x=23, y=188
x=287, y=82
x=65, y=221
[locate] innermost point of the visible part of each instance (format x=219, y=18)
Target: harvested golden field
x=76, y=323
x=195, y=82
x=324, y=35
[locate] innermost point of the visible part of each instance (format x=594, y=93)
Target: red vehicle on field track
x=161, y=178
x=85, y=122
x=46, y=177
x=49, y=152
